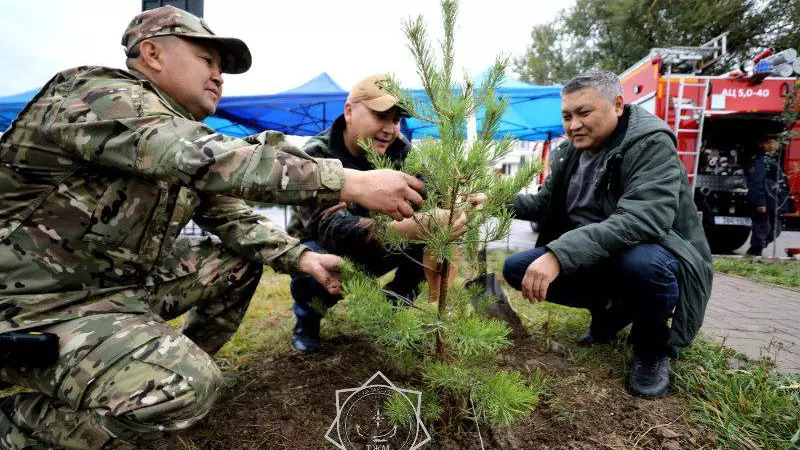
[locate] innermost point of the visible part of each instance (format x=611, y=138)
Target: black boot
x=607, y=322
x=754, y=251
x=591, y=339
x=649, y=377
x=305, y=336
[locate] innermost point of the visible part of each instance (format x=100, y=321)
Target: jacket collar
x=617, y=138
x=171, y=103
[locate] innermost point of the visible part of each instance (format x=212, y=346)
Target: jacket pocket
x=185, y=205
x=123, y=217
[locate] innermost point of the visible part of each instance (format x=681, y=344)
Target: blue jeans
x=638, y=285
x=376, y=261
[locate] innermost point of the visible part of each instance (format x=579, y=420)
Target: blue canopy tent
x=533, y=114
x=303, y=111
x=229, y=127
x=12, y=105
x=538, y=106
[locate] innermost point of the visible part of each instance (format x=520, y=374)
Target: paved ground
x=752, y=318
x=756, y=319
x=785, y=240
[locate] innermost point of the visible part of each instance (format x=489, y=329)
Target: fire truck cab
x=718, y=121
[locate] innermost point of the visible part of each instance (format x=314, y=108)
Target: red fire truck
x=717, y=121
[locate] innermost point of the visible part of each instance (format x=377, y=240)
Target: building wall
x=524, y=151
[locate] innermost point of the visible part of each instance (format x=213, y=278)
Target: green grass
x=743, y=406
x=751, y=407
x=781, y=272
x=739, y=407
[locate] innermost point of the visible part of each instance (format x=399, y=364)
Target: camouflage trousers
x=125, y=378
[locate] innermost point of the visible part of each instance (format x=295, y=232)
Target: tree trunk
x=440, y=344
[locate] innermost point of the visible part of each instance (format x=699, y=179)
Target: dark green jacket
x=646, y=195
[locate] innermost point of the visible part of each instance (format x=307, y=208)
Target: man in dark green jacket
x=618, y=231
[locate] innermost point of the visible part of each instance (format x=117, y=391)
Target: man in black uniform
x=767, y=194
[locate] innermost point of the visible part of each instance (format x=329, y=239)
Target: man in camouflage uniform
x=99, y=174
x=369, y=113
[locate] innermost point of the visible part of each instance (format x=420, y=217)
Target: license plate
x=728, y=220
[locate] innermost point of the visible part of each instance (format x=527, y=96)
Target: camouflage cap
x=169, y=20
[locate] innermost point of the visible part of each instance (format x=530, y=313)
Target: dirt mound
x=289, y=402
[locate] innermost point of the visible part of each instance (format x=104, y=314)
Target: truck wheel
x=723, y=240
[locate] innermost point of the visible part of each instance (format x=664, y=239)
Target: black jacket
x=767, y=184
x=340, y=232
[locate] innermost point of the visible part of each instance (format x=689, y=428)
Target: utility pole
x=193, y=6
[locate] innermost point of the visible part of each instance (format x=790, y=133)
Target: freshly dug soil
x=289, y=402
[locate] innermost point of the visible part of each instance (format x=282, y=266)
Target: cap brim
x=385, y=103
x=235, y=55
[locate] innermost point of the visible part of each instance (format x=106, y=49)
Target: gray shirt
x=582, y=207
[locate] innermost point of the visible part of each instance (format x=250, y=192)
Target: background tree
x=613, y=35
x=450, y=343
x=785, y=29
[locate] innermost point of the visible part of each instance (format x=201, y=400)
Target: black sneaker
x=649, y=377
x=305, y=336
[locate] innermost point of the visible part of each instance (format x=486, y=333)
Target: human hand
x=538, y=277
x=385, y=191
x=324, y=268
x=761, y=209
x=473, y=199
x=424, y=223
x=439, y=218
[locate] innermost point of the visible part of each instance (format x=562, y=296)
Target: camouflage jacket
x=101, y=171
x=341, y=231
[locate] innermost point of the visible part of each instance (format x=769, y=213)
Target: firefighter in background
x=767, y=194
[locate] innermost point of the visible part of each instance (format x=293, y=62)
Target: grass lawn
x=781, y=272
x=748, y=406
